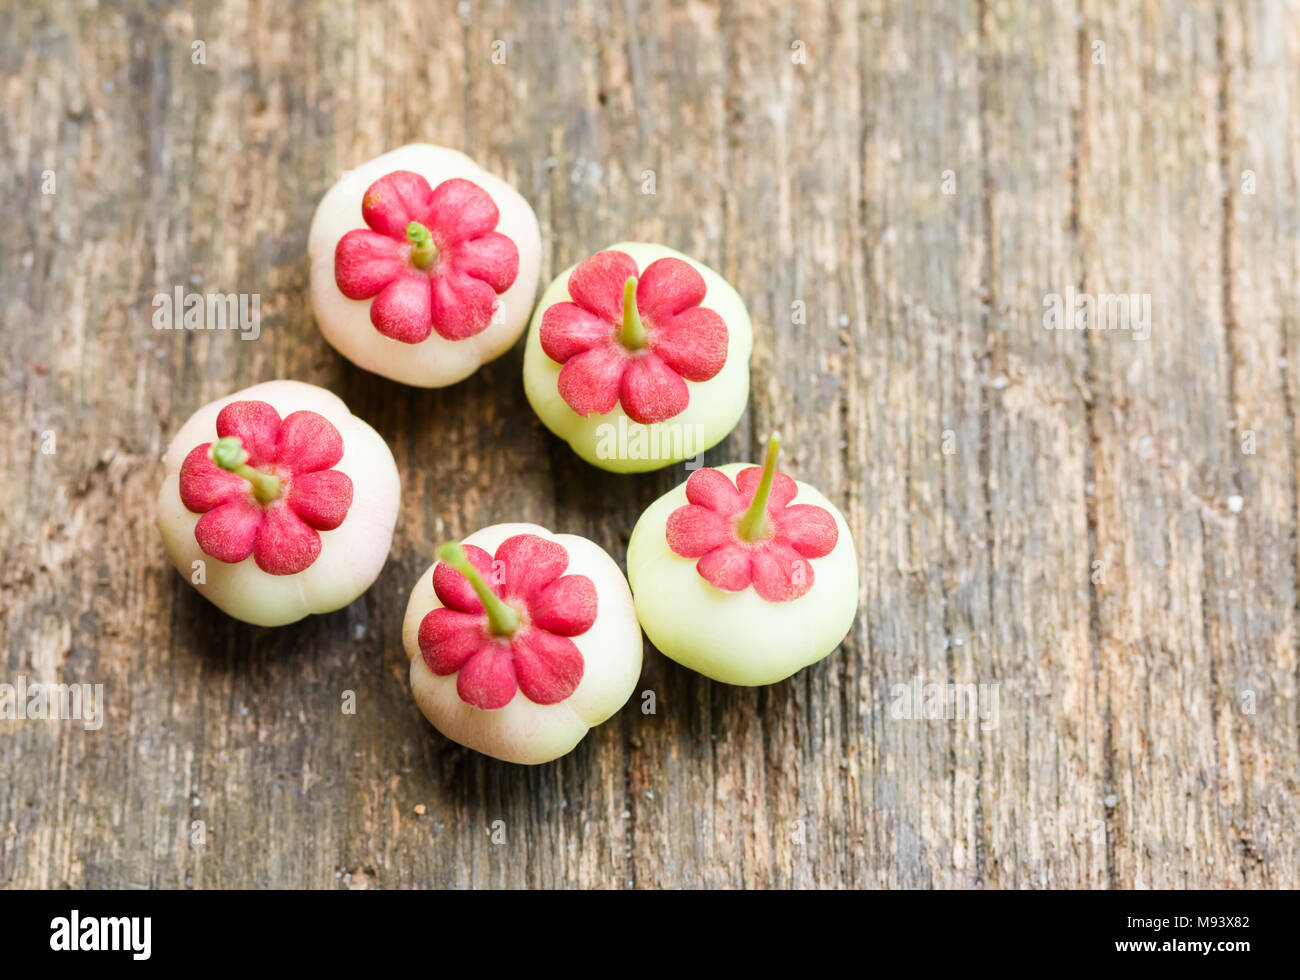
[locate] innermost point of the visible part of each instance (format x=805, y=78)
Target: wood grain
x=1100, y=529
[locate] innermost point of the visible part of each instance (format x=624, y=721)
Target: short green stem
x=423, y=252
x=229, y=453
x=632, y=334
x=754, y=525
x=502, y=620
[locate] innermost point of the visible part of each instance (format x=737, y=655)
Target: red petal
x=284, y=544
x=694, y=530
x=487, y=680
x=712, y=488
x=652, y=391
x=449, y=638
x=807, y=528
x=460, y=305
x=783, y=488
x=394, y=201
x=597, y=284
x=204, y=484
x=781, y=573
x=589, y=383
x=492, y=258
x=568, y=330
x=453, y=588
x=727, y=567
x=549, y=667
x=403, y=309
x=256, y=424
x=694, y=344
x=321, y=499
x=309, y=442
x=666, y=288
x=227, y=533
x=460, y=210
x=567, y=606
x=365, y=262
x=526, y=563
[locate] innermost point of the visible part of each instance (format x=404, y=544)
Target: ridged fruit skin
x=436, y=361
x=351, y=556
x=738, y=637
x=715, y=407
x=523, y=732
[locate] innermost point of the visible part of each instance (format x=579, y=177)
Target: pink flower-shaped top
x=431, y=258
x=289, y=459
x=642, y=356
x=548, y=607
x=777, y=565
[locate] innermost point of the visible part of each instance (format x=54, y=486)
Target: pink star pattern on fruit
x=683, y=340
x=282, y=534
x=777, y=566
x=539, y=659
x=451, y=284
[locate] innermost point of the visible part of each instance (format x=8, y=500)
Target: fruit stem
x=423, y=253
x=753, y=526
x=229, y=453
x=502, y=620
x=632, y=336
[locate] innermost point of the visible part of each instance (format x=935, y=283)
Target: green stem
x=502, y=620
x=423, y=253
x=229, y=453
x=753, y=526
x=632, y=336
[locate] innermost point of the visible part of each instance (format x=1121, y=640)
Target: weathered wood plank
x=1147, y=714
x=1041, y=760
x=1195, y=598
x=1255, y=622
x=921, y=510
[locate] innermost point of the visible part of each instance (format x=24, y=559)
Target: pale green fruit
x=351, y=555
x=738, y=637
x=523, y=731
x=614, y=442
x=434, y=361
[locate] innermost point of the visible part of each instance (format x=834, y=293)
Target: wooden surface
x=1046, y=511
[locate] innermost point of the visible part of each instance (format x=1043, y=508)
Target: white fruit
x=351, y=555
x=615, y=442
x=738, y=637
x=435, y=361
x=522, y=731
